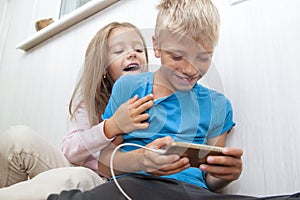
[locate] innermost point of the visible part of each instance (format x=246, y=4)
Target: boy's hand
x=159, y=165
x=129, y=116
x=223, y=169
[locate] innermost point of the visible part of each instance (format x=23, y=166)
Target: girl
x=120, y=47
x=116, y=49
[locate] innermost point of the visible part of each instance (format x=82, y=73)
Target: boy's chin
x=184, y=87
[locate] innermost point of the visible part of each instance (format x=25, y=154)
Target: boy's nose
x=189, y=69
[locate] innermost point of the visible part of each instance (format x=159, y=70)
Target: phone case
x=196, y=153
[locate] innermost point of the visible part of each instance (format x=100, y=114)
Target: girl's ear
x=156, y=47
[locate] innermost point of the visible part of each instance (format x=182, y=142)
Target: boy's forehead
x=181, y=42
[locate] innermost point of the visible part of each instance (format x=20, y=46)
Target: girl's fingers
x=142, y=101
x=142, y=108
x=142, y=117
x=133, y=99
x=140, y=121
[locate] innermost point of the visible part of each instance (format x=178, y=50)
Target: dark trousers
x=154, y=188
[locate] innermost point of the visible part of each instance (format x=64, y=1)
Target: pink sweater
x=82, y=144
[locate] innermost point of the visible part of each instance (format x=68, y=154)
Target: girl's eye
x=139, y=50
x=118, y=52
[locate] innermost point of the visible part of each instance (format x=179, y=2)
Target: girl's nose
x=131, y=54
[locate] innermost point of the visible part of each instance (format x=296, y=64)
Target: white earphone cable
x=160, y=151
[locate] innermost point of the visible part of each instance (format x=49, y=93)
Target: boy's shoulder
x=139, y=75
x=130, y=79
x=202, y=91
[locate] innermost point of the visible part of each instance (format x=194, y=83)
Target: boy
x=186, y=33
x=185, y=36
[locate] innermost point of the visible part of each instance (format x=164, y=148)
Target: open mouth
x=132, y=67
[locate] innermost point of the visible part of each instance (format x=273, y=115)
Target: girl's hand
x=129, y=116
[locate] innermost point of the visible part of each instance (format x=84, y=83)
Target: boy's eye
x=176, y=58
x=204, y=59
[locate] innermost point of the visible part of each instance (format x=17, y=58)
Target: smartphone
x=197, y=153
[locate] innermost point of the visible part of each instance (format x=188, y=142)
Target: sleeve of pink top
x=82, y=144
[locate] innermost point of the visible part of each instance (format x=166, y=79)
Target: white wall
x=256, y=58
x=259, y=62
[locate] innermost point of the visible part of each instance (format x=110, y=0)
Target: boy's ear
x=155, y=47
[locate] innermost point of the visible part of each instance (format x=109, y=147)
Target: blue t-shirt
x=187, y=116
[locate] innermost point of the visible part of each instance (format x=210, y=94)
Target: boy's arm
x=221, y=170
x=142, y=160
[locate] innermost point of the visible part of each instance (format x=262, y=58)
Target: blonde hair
x=95, y=85
x=198, y=19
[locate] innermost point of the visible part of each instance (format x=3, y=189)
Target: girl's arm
x=83, y=143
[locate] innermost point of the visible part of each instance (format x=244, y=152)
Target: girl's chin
x=132, y=72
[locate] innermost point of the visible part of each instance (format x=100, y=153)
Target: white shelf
x=234, y=2
x=64, y=23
